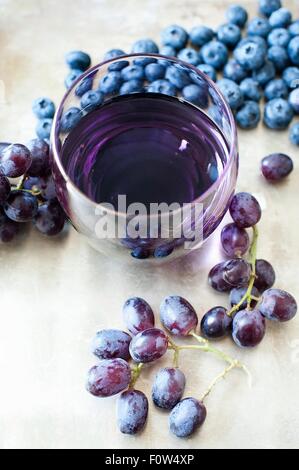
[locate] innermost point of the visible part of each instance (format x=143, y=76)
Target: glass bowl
x=188, y=225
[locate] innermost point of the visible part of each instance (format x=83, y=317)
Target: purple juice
x=150, y=147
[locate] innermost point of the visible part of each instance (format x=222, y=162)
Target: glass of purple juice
x=144, y=170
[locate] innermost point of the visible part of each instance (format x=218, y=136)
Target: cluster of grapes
x=250, y=283
x=34, y=197
x=148, y=344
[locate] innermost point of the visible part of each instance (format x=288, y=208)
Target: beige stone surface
x=55, y=294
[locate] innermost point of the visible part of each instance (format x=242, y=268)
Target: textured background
x=55, y=294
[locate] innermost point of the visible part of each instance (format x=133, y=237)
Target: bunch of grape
x=252, y=298
x=33, y=198
x=145, y=345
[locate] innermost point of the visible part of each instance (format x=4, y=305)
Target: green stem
x=136, y=371
x=198, y=338
x=218, y=378
x=21, y=183
x=252, y=255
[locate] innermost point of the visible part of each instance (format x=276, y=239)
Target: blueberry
x=232, y=92
x=111, y=82
x=279, y=57
x=43, y=108
x=258, y=40
x=229, y=34
x=140, y=253
x=278, y=114
x=132, y=72
x=279, y=37
x=71, y=78
x=91, y=100
x=291, y=77
x=276, y=89
x=259, y=27
x=236, y=14
x=78, y=60
x=294, y=28
x=113, y=54
x=154, y=72
x=293, y=50
x=70, y=119
x=263, y=75
x=177, y=76
x=280, y=18
x=208, y=70
x=215, y=53
x=267, y=7
x=294, y=100
x=174, y=36
x=201, y=35
x=294, y=134
x=131, y=86
x=84, y=86
x=189, y=55
x=250, y=55
x=251, y=90
x=43, y=128
x=249, y=115
x=169, y=51
x=120, y=64
x=162, y=86
x=196, y=95
x=234, y=71
x=144, y=46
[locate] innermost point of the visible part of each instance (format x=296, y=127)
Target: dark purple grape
x=149, y=346
x=132, y=412
x=50, y=218
x=8, y=228
x=40, y=157
x=237, y=272
x=237, y=295
x=216, y=323
x=235, y=241
x=276, y=166
x=265, y=275
x=4, y=189
x=249, y=328
x=108, y=378
x=111, y=344
x=15, y=161
x=178, y=316
x=188, y=415
x=43, y=184
x=21, y=206
x=168, y=388
x=216, y=278
x=138, y=315
x=278, y=305
x=245, y=210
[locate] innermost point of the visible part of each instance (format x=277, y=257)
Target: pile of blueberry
x=263, y=63
x=145, y=345
x=33, y=198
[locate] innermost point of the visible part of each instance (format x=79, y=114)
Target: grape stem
x=218, y=378
x=136, y=371
x=21, y=183
x=35, y=192
x=205, y=346
x=248, y=295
